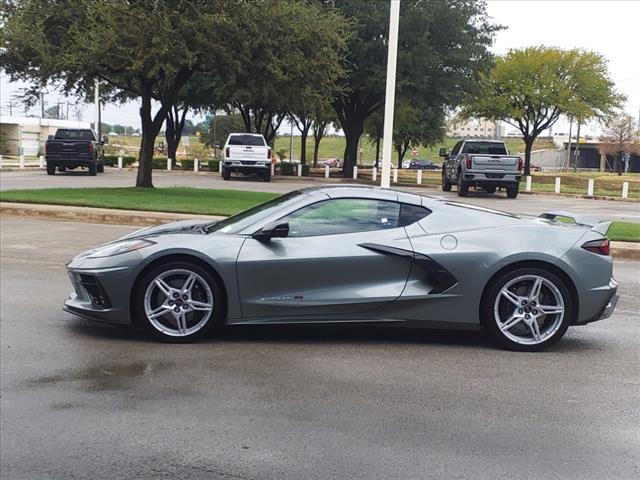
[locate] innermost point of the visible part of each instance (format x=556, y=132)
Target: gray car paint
x=334, y=279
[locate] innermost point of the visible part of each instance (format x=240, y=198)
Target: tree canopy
x=532, y=87
x=442, y=48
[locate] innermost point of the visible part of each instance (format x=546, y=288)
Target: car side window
x=456, y=149
x=343, y=215
x=411, y=213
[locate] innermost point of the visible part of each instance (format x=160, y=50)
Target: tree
x=374, y=129
x=531, y=88
x=280, y=70
x=441, y=49
x=413, y=127
x=303, y=123
x=322, y=118
x=146, y=49
x=220, y=127
x=620, y=138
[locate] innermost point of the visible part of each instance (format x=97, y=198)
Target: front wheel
x=446, y=184
x=179, y=302
x=527, y=309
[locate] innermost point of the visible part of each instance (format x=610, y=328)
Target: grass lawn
x=178, y=200
x=191, y=200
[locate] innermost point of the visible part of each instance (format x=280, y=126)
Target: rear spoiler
x=582, y=220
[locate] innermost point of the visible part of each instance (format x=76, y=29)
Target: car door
x=452, y=160
x=331, y=264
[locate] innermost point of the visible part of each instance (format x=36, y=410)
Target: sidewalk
x=620, y=250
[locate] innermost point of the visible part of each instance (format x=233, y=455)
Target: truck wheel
x=92, y=169
x=62, y=168
x=463, y=188
x=512, y=192
x=266, y=176
x=226, y=174
x=446, y=184
x=101, y=167
x=51, y=168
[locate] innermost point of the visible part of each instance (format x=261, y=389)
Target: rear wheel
x=266, y=176
x=101, y=167
x=226, y=174
x=527, y=309
x=179, y=302
x=446, y=184
x=512, y=192
x=51, y=168
x=463, y=188
x=92, y=169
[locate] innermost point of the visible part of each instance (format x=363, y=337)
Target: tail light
x=90, y=147
x=520, y=164
x=601, y=247
x=226, y=152
x=268, y=153
x=467, y=161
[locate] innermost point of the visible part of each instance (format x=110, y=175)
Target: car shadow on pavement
x=297, y=334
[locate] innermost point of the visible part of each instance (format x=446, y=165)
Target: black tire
x=101, y=167
x=226, y=174
x=92, y=169
x=266, y=176
x=489, y=322
x=62, y=168
x=215, y=319
x=51, y=168
x=463, y=188
x=446, y=184
x=512, y=192
x=489, y=189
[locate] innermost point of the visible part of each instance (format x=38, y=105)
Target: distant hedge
x=112, y=160
x=291, y=169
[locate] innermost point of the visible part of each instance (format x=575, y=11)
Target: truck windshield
x=246, y=140
x=74, y=135
x=485, y=148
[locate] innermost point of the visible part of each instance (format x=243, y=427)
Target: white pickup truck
x=246, y=153
x=481, y=163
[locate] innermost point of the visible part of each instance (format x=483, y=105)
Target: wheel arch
x=177, y=257
x=545, y=265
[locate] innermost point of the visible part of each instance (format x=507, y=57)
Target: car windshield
x=485, y=148
x=242, y=220
x=74, y=135
x=252, y=140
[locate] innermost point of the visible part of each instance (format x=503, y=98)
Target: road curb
x=620, y=250
x=96, y=215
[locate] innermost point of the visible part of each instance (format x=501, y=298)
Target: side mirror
x=105, y=139
x=443, y=152
x=272, y=230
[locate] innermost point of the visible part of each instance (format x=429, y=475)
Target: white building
x=474, y=128
x=30, y=133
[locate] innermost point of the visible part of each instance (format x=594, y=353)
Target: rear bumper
x=608, y=306
x=71, y=161
x=495, y=178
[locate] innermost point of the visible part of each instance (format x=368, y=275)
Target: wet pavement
x=82, y=400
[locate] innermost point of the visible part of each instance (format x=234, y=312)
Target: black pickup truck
x=72, y=148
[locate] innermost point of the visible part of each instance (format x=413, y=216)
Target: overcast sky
x=608, y=27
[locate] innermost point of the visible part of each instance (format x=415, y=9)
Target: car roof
x=364, y=191
x=249, y=134
x=484, y=140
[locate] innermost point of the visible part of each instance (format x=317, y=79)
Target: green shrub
x=187, y=164
x=291, y=169
x=214, y=165
x=160, y=163
x=112, y=160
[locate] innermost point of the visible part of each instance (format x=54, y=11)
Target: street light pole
x=390, y=96
x=96, y=100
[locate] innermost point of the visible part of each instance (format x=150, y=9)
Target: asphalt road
x=526, y=204
x=81, y=400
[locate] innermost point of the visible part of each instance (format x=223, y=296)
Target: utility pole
x=577, y=154
x=291, y=142
x=96, y=101
x=390, y=95
x=41, y=104
x=569, y=144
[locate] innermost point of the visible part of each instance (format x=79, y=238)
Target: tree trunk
x=378, y=152
x=304, y=133
x=528, y=146
x=352, y=137
x=150, y=128
x=173, y=132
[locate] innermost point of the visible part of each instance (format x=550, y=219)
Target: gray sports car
x=353, y=254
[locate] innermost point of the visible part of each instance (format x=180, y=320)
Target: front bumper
x=101, y=295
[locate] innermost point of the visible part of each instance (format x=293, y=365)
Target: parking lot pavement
x=525, y=204
x=83, y=400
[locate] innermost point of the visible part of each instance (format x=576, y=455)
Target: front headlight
x=119, y=248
